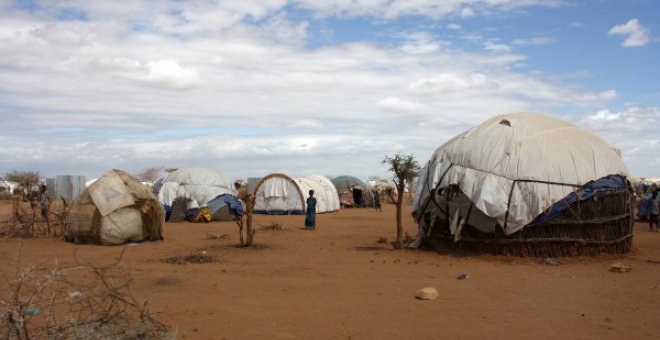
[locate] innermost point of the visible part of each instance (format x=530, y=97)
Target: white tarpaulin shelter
x=511, y=168
x=115, y=209
x=280, y=194
x=8, y=187
x=199, y=184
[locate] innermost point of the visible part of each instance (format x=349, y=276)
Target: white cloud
x=419, y=43
x=495, y=47
x=164, y=73
x=467, y=12
x=635, y=132
x=534, y=41
x=448, y=82
x=390, y=9
x=604, y=115
x=454, y=26
x=636, y=34
x=251, y=97
x=394, y=104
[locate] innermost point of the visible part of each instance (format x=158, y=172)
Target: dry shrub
x=217, y=236
x=381, y=239
x=275, y=226
x=83, y=302
x=36, y=219
x=201, y=257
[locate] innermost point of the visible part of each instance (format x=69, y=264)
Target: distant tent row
x=279, y=194
x=8, y=187
x=525, y=184
x=517, y=184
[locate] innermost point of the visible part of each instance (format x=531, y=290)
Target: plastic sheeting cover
x=197, y=183
x=510, y=162
x=109, y=193
x=324, y=191
x=122, y=225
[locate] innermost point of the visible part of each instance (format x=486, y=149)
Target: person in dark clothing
x=310, y=213
x=654, y=212
x=377, y=203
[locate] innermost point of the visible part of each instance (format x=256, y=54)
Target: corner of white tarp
x=109, y=194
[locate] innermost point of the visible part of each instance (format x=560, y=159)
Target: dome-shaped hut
x=279, y=194
x=198, y=192
x=525, y=184
x=353, y=191
x=115, y=209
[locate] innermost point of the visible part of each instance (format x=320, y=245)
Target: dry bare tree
x=149, y=174
x=26, y=179
x=405, y=169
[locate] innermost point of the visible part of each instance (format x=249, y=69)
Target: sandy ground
x=338, y=282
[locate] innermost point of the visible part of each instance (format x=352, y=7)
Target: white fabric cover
x=280, y=193
x=109, y=193
x=327, y=199
x=198, y=183
x=485, y=160
x=115, y=196
x=122, y=225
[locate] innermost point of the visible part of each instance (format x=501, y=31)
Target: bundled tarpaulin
x=509, y=170
x=605, y=184
x=279, y=194
x=225, y=207
x=198, y=184
x=115, y=209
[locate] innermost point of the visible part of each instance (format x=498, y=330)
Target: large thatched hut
x=115, y=209
x=525, y=184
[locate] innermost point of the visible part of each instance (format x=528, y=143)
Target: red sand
x=338, y=283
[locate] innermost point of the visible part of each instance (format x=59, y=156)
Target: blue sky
x=303, y=87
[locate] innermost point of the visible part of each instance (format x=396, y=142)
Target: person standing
x=310, y=213
x=45, y=204
x=654, y=212
x=377, y=203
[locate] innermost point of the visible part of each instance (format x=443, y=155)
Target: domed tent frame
x=454, y=205
x=289, y=196
x=347, y=182
x=114, y=210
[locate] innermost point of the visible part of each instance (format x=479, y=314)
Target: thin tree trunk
x=399, y=222
x=250, y=231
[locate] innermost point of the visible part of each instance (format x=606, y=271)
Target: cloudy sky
x=306, y=87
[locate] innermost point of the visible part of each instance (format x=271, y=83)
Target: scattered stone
x=551, y=261
x=619, y=267
x=463, y=277
x=428, y=293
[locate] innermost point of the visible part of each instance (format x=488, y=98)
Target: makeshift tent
x=115, y=209
x=279, y=194
x=525, y=184
x=196, y=186
x=8, y=187
x=352, y=191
